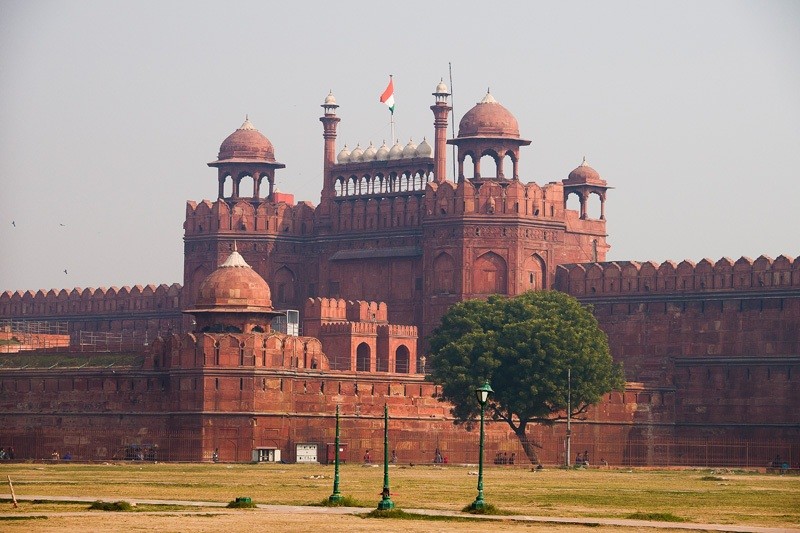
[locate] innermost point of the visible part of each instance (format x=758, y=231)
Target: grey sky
x=109, y=112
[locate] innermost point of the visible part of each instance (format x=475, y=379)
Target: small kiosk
x=306, y=453
x=266, y=455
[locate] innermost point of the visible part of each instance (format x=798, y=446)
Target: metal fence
x=34, y=327
x=410, y=447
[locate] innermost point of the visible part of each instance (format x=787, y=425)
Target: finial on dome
x=488, y=99
x=234, y=246
x=247, y=125
x=584, y=163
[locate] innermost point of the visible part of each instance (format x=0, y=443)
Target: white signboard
x=306, y=453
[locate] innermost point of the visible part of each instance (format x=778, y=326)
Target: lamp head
x=483, y=393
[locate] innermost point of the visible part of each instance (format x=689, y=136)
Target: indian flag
x=388, y=95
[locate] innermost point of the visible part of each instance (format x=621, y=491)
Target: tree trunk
x=528, y=445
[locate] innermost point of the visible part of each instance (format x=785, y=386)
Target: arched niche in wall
x=489, y=275
x=283, y=283
x=534, y=272
x=443, y=274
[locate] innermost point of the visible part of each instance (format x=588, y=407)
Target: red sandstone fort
x=711, y=350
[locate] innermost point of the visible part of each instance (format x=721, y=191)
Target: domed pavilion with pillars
x=233, y=299
x=488, y=129
x=246, y=152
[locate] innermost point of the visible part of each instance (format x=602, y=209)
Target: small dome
x=441, y=88
x=584, y=174
x=488, y=119
x=234, y=287
x=330, y=99
x=383, y=152
x=357, y=155
x=397, y=151
x=410, y=149
x=247, y=143
x=369, y=153
x=344, y=156
x=424, y=149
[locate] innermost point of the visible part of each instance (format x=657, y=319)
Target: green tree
x=524, y=346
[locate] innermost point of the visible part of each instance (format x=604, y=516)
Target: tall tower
x=329, y=124
x=440, y=112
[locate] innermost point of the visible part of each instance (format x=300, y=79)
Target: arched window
x=362, y=357
x=401, y=360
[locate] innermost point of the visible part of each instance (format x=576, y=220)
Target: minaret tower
x=329, y=123
x=440, y=112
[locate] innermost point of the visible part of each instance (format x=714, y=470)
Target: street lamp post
x=336, y=497
x=482, y=393
x=386, y=502
x=569, y=416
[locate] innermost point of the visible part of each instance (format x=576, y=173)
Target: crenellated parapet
x=361, y=311
x=349, y=328
x=397, y=330
x=630, y=277
x=495, y=197
x=79, y=302
x=237, y=350
x=261, y=216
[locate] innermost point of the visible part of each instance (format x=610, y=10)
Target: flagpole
x=453, y=115
x=391, y=122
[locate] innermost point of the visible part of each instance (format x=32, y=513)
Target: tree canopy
x=524, y=346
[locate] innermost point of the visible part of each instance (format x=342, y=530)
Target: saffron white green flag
x=388, y=95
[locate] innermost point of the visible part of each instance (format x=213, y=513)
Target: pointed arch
x=534, y=272
x=283, y=286
x=443, y=274
x=490, y=274
x=363, y=356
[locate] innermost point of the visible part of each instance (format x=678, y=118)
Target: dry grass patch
x=743, y=498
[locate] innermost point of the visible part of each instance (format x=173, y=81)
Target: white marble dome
x=424, y=149
x=383, y=153
x=369, y=153
x=396, y=151
x=344, y=156
x=410, y=149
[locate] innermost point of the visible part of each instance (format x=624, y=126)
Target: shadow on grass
x=344, y=501
x=658, y=517
x=399, y=514
x=488, y=509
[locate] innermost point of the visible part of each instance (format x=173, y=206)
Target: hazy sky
x=109, y=112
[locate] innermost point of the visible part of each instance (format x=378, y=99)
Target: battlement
x=43, y=303
x=397, y=330
x=249, y=215
x=630, y=277
x=263, y=350
x=495, y=197
x=337, y=309
x=348, y=328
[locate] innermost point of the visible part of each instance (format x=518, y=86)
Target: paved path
x=308, y=509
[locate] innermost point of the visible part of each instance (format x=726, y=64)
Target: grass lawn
x=722, y=497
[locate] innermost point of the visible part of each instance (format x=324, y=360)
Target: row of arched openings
x=401, y=362
x=380, y=184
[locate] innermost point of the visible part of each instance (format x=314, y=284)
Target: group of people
x=7, y=454
x=780, y=464
x=368, y=457
x=502, y=458
x=438, y=458
x=582, y=460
